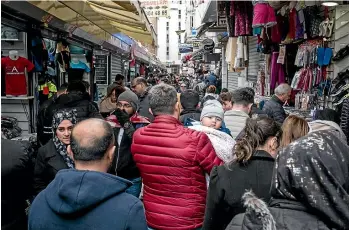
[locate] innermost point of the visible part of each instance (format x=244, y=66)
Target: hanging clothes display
x=63, y=56
x=263, y=15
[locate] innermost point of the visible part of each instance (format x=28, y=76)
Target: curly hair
x=257, y=131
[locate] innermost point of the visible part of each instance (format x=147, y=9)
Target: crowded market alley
x=174, y=115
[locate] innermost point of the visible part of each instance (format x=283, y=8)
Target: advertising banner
x=155, y=8
x=185, y=48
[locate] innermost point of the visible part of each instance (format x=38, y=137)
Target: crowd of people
x=169, y=153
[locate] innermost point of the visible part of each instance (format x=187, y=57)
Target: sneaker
x=342, y=53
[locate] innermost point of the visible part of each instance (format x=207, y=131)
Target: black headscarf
x=314, y=170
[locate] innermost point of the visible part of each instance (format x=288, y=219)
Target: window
x=168, y=49
x=179, y=14
x=179, y=38
x=179, y=26
x=167, y=55
x=180, y=2
x=167, y=38
x=167, y=24
x=191, y=22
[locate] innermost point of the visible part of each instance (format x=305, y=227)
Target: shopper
x=251, y=170
x=226, y=99
x=87, y=197
x=235, y=119
x=309, y=188
x=294, y=127
x=108, y=104
x=140, y=87
x=255, y=111
x=44, y=123
x=327, y=119
x=75, y=98
x=126, y=121
x=189, y=100
x=53, y=156
x=16, y=183
x=274, y=107
x=172, y=161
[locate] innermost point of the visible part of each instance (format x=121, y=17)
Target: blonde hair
x=294, y=127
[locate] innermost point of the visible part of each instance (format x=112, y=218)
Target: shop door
x=233, y=80
x=253, y=59
x=116, y=66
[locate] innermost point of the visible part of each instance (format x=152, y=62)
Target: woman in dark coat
x=53, y=156
x=251, y=170
x=310, y=188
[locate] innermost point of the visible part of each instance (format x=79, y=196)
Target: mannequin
x=14, y=69
x=13, y=54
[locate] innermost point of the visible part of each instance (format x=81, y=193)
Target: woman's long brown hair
x=293, y=128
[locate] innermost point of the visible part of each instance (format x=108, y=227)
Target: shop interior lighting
x=329, y=3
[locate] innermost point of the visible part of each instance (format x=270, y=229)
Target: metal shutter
x=254, y=59
x=233, y=80
x=116, y=66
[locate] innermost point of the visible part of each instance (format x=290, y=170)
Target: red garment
x=135, y=119
x=15, y=80
x=173, y=161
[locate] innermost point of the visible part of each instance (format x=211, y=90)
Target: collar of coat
x=135, y=119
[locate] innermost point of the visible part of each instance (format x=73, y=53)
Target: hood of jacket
x=75, y=192
x=318, y=125
x=72, y=98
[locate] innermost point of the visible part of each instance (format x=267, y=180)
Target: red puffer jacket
x=173, y=161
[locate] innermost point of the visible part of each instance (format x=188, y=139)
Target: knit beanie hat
x=212, y=108
x=131, y=98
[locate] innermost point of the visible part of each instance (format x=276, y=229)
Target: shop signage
x=207, y=45
x=155, y=8
x=196, y=45
x=185, y=48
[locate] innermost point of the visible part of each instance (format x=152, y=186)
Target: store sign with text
x=185, y=48
x=207, y=45
x=155, y=8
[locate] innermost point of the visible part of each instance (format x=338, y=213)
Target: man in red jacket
x=172, y=161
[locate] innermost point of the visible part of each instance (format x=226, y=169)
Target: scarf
x=107, y=106
x=61, y=148
x=314, y=170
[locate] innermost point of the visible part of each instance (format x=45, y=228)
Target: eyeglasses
x=126, y=106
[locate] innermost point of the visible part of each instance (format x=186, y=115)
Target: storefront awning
x=210, y=13
x=102, y=18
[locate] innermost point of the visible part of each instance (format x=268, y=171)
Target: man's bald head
x=91, y=139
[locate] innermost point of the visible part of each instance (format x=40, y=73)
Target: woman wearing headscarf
x=53, y=156
x=310, y=188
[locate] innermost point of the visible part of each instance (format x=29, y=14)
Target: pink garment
x=277, y=74
x=241, y=12
x=263, y=15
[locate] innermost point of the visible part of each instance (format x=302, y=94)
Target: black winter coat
x=193, y=114
x=16, y=183
x=144, y=105
x=274, y=109
x=288, y=215
x=345, y=119
x=123, y=164
x=48, y=163
x=229, y=183
x=85, y=109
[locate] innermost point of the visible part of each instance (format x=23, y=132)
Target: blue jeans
x=135, y=189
